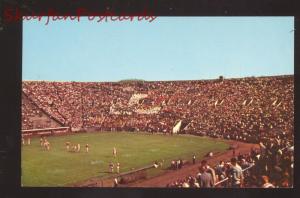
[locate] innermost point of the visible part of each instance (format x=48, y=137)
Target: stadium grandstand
x=254, y=110
x=241, y=109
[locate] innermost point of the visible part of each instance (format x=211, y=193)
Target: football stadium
x=71, y=129
x=167, y=104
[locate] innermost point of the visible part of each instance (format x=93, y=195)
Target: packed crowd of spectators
x=241, y=109
x=29, y=110
x=271, y=166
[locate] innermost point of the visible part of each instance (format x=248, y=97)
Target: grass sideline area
x=58, y=167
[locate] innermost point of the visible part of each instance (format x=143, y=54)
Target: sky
x=168, y=48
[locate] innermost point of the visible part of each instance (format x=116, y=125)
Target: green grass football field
x=58, y=167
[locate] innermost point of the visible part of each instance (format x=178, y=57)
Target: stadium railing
x=45, y=131
x=227, y=178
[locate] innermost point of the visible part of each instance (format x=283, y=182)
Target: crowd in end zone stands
x=256, y=110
